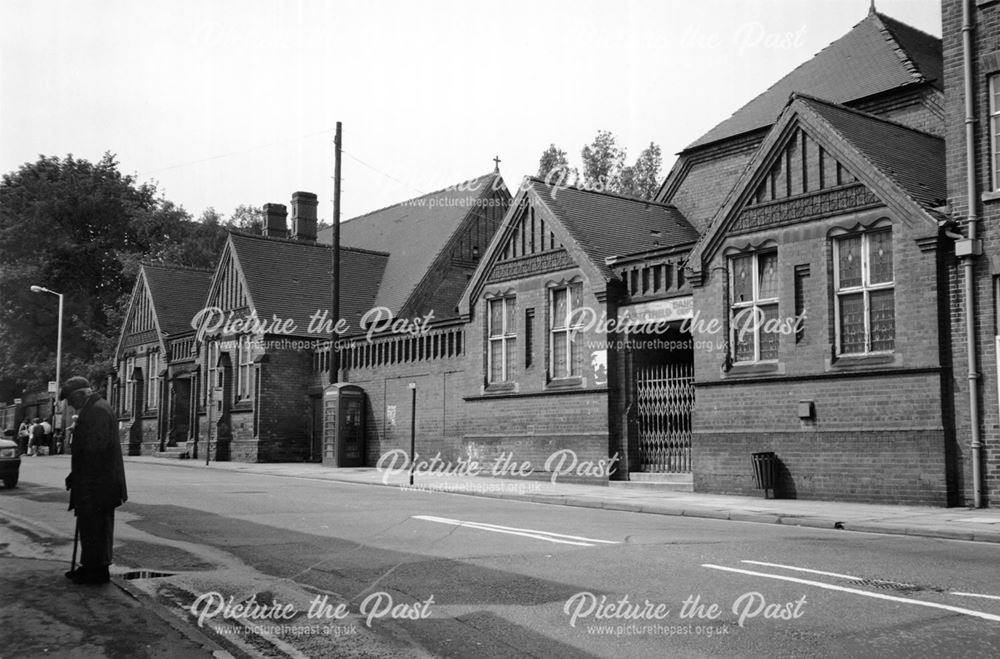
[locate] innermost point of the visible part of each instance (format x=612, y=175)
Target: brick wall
x=712, y=174
x=986, y=37
x=922, y=108
x=285, y=407
x=885, y=466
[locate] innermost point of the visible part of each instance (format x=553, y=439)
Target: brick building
x=156, y=382
x=824, y=270
x=974, y=269
x=520, y=369
x=239, y=357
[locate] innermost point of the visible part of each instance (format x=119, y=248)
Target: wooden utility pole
x=335, y=311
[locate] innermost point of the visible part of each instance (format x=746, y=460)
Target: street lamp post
x=42, y=289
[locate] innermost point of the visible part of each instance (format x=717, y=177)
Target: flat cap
x=72, y=384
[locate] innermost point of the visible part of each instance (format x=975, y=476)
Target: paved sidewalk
x=979, y=525
x=45, y=615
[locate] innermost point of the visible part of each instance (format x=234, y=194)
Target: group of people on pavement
x=33, y=436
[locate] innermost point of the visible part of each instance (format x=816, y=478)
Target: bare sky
x=225, y=102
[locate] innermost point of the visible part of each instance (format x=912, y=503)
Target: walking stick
x=76, y=541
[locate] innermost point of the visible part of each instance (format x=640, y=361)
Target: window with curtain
x=502, y=339
x=865, y=306
x=753, y=304
x=565, y=339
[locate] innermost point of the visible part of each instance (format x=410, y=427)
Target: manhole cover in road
x=884, y=584
x=144, y=574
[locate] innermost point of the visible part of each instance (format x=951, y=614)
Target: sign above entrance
x=658, y=311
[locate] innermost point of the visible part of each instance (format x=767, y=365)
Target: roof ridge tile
x=409, y=202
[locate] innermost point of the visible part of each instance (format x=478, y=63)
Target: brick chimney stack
x=304, y=216
x=275, y=221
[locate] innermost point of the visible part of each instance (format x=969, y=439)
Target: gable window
x=502, y=336
x=565, y=343
x=244, y=374
x=864, y=283
x=153, y=378
x=754, y=307
x=995, y=130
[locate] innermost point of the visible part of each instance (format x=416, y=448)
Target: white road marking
x=852, y=578
x=805, y=569
x=989, y=597
x=855, y=591
x=548, y=536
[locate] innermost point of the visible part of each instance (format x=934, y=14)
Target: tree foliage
x=554, y=165
x=602, y=162
x=249, y=219
x=640, y=179
x=604, y=167
x=80, y=229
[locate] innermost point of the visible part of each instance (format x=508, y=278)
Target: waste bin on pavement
x=765, y=471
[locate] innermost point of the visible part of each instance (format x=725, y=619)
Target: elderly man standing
x=96, y=480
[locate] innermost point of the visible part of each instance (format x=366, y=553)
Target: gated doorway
x=662, y=401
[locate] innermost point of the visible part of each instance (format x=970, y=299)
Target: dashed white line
x=855, y=591
x=548, y=536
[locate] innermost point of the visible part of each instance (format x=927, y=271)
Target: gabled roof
x=177, y=294
x=605, y=224
x=413, y=233
x=292, y=279
x=591, y=226
x=879, y=54
x=909, y=177
x=915, y=161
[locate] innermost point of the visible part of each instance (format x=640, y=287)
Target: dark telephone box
x=344, y=425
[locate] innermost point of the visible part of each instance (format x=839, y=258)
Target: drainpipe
x=968, y=248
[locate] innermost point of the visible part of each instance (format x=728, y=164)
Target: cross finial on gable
x=496, y=161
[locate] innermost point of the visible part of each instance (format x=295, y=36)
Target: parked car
x=10, y=462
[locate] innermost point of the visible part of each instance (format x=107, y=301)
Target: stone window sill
x=865, y=361
x=500, y=388
x=564, y=383
x=755, y=368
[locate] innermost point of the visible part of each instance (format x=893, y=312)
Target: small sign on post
x=52, y=386
x=17, y=401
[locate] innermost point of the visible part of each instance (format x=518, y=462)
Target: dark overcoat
x=97, y=478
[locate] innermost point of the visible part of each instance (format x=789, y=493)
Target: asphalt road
x=339, y=569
